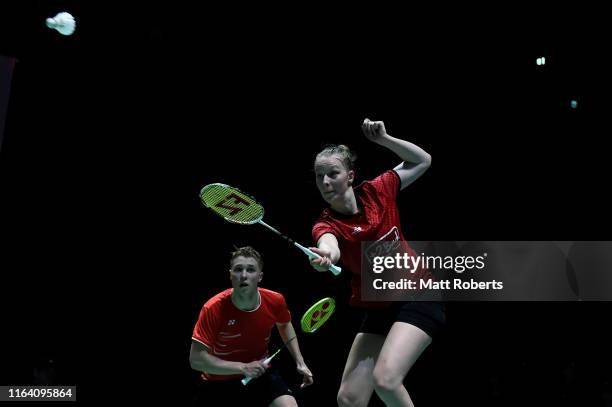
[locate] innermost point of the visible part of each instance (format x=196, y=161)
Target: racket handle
x=312, y=255
x=265, y=362
x=335, y=269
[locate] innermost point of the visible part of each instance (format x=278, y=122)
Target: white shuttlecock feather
x=63, y=22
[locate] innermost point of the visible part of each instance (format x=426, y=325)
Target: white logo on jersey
x=231, y=322
x=356, y=230
x=386, y=245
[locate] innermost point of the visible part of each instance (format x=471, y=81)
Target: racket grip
x=312, y=255
x=335, y=269
x=265, y=362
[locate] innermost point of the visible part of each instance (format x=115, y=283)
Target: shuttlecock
x=63, y=22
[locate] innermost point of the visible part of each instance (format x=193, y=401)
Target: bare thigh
x=402, y=347
x=358, y=379
x=284, y=401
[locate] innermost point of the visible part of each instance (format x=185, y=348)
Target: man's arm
x=287, y=332
x=201, y=360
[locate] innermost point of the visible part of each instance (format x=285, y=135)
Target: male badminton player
x=230, y=340
x=391, y=337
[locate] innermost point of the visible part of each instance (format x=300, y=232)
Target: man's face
x=245, y=274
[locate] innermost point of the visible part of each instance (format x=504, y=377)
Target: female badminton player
x=391, y=337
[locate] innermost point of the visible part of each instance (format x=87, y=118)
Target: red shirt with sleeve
x=235, y=335
x=378, y=220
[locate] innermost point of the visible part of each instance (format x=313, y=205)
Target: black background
x=107, y=254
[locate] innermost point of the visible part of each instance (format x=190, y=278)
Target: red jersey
x=378, y=220
x=235, y=335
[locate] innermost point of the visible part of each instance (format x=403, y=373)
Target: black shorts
x=428, y=316
x=261, y=391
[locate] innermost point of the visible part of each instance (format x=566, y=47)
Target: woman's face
x=333, y=180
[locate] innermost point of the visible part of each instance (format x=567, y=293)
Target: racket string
x=231, y=204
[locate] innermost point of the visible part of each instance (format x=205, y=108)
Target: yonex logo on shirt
x=231, y=322
x=356, y=230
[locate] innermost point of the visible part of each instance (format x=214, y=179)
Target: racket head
x=231, y=204
x=318, y=314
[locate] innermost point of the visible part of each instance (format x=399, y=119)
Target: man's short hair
x=247, y=251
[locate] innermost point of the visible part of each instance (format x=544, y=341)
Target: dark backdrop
x=107, y=254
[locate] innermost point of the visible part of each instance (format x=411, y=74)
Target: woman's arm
x=327, y=248
x=415, y=160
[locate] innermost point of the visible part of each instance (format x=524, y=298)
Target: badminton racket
x=313, y=318
x=236, y=207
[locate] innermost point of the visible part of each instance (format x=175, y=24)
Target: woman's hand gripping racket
x=236, y=207
x=312, y=320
